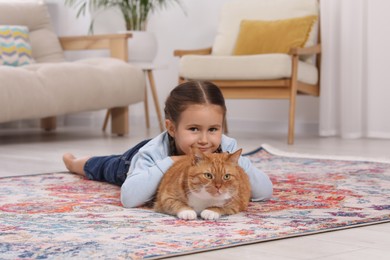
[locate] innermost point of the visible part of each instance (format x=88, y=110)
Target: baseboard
x=378, y=134
x=96, y=119
x=251, y=126
x=85, y=119
x=29, y=123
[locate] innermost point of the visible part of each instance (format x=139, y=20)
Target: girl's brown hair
x=192, y=93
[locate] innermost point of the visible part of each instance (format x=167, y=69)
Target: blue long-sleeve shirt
x=152, y=161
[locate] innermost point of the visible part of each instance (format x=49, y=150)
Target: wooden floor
x=32, y=151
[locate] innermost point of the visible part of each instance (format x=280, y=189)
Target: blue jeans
x=112, y=168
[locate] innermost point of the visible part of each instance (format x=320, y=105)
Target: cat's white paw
x=187, y=214
x=209, y=214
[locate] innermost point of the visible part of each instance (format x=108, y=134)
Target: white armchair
x=50, y=86
x=264, y=49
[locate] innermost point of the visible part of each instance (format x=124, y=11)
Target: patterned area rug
x=61, y=215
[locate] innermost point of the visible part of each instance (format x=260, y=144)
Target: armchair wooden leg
x=291, y=121
x=119, y=120
x=49, y=123
x=293, y=96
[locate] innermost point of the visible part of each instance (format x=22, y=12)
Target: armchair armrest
x=204, y=51
x=116, y=43
x=316, y=49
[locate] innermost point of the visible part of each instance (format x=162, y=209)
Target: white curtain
x=355, y=75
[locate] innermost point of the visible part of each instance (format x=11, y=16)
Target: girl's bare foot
x=73, y=164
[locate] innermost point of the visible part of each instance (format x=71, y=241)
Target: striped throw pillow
x=15, y=48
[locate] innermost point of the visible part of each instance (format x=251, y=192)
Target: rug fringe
x=276, y=151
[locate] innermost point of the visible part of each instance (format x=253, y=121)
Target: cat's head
x=215, y=175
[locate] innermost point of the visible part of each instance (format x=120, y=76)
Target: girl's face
x=200, y=126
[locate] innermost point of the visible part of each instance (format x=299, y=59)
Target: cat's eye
x=226, y=177
x=208, y=175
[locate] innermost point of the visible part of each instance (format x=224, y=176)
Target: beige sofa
x=51, y=86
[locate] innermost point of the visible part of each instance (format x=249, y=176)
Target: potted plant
x=135, y=15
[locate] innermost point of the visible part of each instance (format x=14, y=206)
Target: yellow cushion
x=277, y=36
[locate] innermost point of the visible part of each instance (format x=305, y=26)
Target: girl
x=194, y=115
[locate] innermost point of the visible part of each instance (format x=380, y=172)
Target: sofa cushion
x=235, y=11
x=49, y=89
x=276, y=36
x=35, y=16
x=245, y=67
x=15, y=48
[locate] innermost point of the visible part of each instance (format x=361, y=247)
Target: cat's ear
x=197, y=155
x=235, y=156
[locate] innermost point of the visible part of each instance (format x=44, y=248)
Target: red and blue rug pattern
x=61, y=215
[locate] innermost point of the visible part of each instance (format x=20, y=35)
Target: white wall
x=195, y=29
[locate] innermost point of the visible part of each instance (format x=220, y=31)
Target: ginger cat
x=209, y=185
